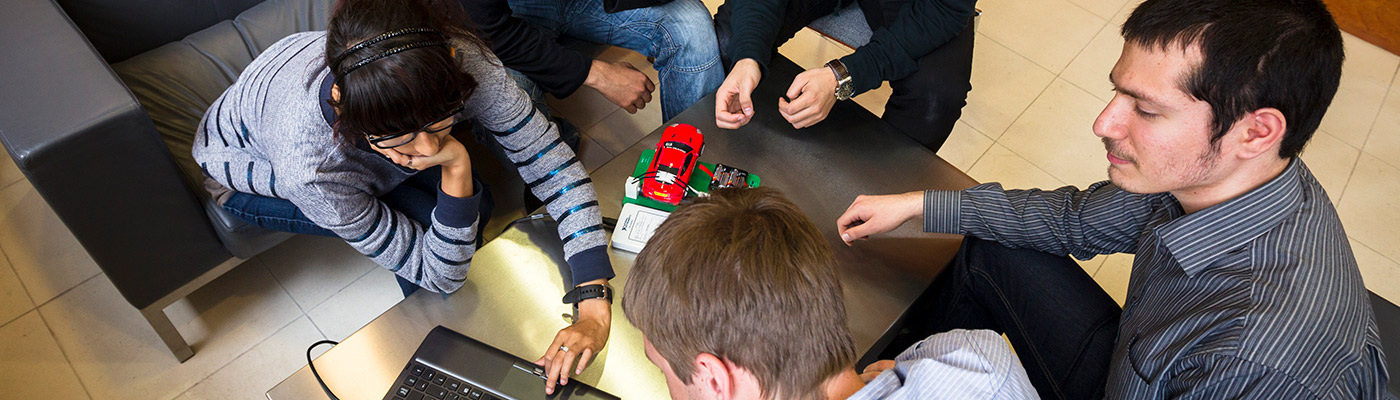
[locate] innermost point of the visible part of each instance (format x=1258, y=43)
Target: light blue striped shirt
x=958, y=364
x=1255, y=297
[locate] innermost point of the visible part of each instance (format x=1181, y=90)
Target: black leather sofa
x=99, y=100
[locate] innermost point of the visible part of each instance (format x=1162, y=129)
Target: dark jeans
x=415, y=198
x=1061, y=323
x=923, y=105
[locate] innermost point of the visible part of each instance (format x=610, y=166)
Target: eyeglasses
x=400, y=139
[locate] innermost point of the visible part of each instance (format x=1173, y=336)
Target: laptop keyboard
x=427, y=383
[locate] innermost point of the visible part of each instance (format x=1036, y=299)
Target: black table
x=511, y=296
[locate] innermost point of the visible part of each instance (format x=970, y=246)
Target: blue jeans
x=1061, y=323
x=415, y=198
x=679, y=34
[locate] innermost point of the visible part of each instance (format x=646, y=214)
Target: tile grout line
x=997, y=139
x=1023, y=56
x=65, y=291
x=27, y=296
x=984, y=152
x=1368, y=247
x=66, y=358
x=347, y=286
x=240, y=355
x=7, y=185
x=1106, y=21
x=1372, y=130
x=1361, y=152
x=289, y=294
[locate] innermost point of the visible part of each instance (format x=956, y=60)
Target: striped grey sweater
x=267, y=135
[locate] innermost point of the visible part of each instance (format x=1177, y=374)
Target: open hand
x=579, y=342
x=869, y=215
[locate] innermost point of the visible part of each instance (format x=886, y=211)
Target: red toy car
x=667, y=178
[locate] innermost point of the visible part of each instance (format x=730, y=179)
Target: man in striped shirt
x=737, y=297
x=1243, y=285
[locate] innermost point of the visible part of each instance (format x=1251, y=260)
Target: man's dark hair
x=1284, y=54
x=385, y=89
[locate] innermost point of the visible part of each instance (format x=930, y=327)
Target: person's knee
x=691, y=31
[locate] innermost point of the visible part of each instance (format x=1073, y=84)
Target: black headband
x=385, y=36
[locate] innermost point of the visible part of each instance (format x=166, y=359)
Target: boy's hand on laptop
x=874, y=370
x=578, y=342
x=869, y=215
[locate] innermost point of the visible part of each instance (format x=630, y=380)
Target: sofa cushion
x=846, y=25
x=176, y=83
x=120, y=29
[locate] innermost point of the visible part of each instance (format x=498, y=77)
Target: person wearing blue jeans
x=415, y=198
x=678, y=34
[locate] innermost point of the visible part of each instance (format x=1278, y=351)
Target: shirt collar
x=1197, y=239
x=327, y=111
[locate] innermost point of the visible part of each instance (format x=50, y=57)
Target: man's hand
x=869, y=215
x=733, y=101
x=874, y=370
x=583, y=340
x=622, y=84
x=813, y=93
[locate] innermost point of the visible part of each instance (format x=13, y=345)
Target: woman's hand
x=579, y=342
x=451, y=155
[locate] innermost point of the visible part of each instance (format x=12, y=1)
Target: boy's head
x=740, y=285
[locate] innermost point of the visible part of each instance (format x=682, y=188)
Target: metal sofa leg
x=155, y=315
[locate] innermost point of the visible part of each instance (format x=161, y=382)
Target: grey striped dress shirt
x=1255, y=297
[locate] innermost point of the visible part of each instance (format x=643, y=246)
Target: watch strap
x=844, y=87
x=586, y=292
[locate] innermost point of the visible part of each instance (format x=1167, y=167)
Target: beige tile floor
x=1039, y=80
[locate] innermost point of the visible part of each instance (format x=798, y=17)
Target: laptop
x=451, y=366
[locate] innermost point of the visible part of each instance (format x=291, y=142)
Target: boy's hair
x=385, y=89
x=743, y=275
x=1285, y=54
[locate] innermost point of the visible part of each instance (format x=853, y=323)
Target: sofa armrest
x=93, y=154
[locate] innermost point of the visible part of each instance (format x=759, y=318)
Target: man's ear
x=712, y=377
x=1261, y=132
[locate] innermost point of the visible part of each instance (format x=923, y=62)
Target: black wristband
x=586, y=292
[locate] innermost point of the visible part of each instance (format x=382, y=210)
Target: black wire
x=608, y=223
x=313, y=367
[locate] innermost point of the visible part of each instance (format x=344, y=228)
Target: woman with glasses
x=347, y=133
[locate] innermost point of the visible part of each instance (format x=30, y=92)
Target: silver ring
x=564, y=349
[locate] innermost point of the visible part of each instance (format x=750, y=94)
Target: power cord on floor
x=313, y=367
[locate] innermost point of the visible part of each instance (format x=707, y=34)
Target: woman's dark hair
x=1285, y=54
x=404, y=80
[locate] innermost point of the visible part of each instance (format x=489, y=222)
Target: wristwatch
x=585, y=292
x=844, y=87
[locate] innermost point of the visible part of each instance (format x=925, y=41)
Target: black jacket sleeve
x=524, y=47
x=893, y=53
x=755, y=26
